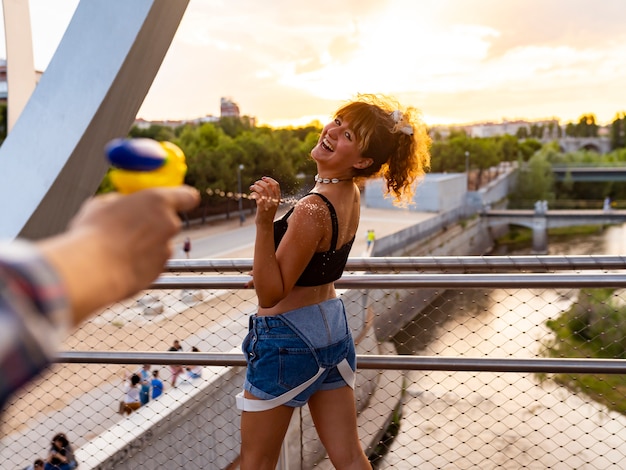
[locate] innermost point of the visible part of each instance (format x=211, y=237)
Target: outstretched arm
x=116, y=246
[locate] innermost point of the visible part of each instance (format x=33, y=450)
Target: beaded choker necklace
x=319, y=179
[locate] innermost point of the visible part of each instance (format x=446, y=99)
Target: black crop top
x=325, y=266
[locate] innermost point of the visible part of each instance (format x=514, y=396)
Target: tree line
x=227, y=156
x=215, y=152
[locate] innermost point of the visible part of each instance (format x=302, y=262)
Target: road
x=229, y=239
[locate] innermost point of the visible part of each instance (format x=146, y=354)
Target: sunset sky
x=459, y=61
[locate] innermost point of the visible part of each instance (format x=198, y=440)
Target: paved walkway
x=229, y=239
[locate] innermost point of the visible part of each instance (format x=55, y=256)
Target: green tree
x=484, y=154
x=528, y=147
x=449, y=155
x=536, y=131
x=154, y=131
x=234, y=126
x=618, y=131
x=586, y=127
x=509, y=148
x=205, y=167
x=535, y=180
x=306, y=164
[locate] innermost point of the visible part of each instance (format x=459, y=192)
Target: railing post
x=283, y=460
x=540, y=234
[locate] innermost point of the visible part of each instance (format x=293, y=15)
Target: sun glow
x=395, y=53
x=458, y=60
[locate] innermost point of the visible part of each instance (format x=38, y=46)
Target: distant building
x=144, y=124
x=4, y=89
x=493, y=129
x=228, y=108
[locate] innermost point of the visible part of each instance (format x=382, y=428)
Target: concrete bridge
x=541, y=221
x=574, y=144
x=589, y=173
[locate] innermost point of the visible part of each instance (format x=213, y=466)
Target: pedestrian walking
x=176, y=369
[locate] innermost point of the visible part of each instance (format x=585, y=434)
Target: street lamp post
x=467, y=167
x=240, y=195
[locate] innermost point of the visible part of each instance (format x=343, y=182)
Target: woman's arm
x=275, y=272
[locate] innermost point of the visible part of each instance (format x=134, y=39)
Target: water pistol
x=142, y=163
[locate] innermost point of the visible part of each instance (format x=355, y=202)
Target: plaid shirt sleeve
x=34, y=314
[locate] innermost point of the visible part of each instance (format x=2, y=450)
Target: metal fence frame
x=368, y=280
x=444, y=272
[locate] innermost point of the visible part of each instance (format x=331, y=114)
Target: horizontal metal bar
x=427, y=263
x=214, y=264
x=395, y=362
x=396, y=281
x=164, y=358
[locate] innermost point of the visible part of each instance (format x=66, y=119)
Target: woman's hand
x=266, y=193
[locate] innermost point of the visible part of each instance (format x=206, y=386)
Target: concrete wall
x=438, y=192
x=447, y=192
x=495, y=191
x=158, y=431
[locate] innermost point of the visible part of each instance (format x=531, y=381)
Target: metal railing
x=429, y=263
x=386, y=281
x=364, y=361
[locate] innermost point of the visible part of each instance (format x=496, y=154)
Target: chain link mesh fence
x=410, y=417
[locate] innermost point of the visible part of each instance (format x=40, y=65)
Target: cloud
x=455, y=59
x=523, y=101
x=522, y=23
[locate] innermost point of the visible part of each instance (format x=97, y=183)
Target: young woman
x=61, y=455
x=299, y=348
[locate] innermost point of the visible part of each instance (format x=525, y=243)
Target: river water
x=469, y=420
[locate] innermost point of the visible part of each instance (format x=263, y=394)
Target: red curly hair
x=395, y=139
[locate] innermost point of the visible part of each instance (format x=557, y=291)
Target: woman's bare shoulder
x=311, y=205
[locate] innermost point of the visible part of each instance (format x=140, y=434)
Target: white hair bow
x=398, y=117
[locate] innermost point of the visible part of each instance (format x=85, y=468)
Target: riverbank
x=468, y=420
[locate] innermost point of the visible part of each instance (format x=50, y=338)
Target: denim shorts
x=285, y=351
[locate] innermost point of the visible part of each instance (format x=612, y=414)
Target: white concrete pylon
x=21, y=76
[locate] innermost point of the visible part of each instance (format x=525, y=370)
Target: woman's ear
x=363, y=163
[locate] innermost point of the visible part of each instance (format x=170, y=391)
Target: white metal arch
x=52, y=160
